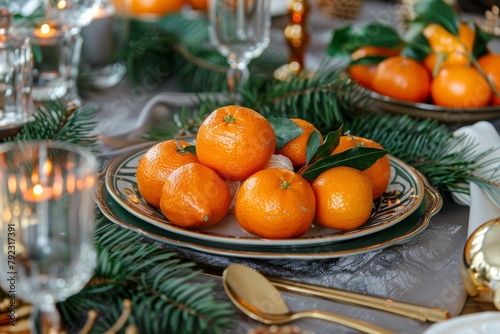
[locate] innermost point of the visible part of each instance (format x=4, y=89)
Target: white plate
x=403, y=196
x=477, y=323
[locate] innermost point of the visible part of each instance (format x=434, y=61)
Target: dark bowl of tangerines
x=449, y=84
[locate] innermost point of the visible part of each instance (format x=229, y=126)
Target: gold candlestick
x=297, y=37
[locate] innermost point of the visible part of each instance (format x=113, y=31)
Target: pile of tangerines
x=449, y=76
x=236, y=167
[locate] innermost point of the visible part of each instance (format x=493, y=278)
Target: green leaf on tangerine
x=331, y=141
x=313, y=143
x=358, y=157
x=285, y=130
x=190, y=149
x=439, y=12
x=418, y=48
x=480, y=47
x=368, y=60
x=350, y=38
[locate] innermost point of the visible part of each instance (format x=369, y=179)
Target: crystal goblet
x=240, y=30
x=47, y=225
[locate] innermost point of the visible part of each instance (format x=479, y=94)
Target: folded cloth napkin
x=484, y=205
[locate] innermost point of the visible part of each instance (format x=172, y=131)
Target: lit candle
x=45, y=35
x=38, y=193
x=45, y=31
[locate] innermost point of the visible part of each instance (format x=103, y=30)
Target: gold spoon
x=255, y=296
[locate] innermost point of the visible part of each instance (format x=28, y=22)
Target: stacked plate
x=403, y=212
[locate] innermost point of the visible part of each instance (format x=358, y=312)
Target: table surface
x=118, y=105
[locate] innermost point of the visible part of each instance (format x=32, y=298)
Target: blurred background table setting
x=120, y=77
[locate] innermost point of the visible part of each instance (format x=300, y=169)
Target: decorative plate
x=443, y=114
x=403, y=196
x=411, y=226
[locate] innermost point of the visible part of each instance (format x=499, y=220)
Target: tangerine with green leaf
x=157, y=163
x=295, y=150
x=379, y=173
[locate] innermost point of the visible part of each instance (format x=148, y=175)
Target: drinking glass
x=240, y=30
x=47, y=225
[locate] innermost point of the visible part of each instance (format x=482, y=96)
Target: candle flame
x=37, y=190
x=45, y=29
x=61, y=4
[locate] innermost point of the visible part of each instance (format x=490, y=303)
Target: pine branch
x=58, y=122
x=160, y=285
x=431, y=148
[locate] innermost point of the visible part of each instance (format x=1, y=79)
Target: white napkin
x=483, y=205
x=477, y=323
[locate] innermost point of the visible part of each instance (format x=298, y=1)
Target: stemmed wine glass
x=47, y=225
x=240, y=30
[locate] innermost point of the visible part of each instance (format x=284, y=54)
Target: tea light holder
x=101, y=39
x=56, y=53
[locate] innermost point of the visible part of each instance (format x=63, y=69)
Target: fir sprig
x=60, y=122
x=165, y=296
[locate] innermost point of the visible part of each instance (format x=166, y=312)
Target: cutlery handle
x=413, y=311
x=357, y=324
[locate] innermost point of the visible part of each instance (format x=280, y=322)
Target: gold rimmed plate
x=403, y=196
x=408, y=228
x=442, y=114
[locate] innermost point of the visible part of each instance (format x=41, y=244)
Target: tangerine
x=343, y=198
x=460, y=87
x=402, y=78
x=275, y=203
x=454, y=49
x=235, y=141
x=379, y=173
x=194, y=196
x=490, y=64
x=155, y=7
x=156, y=164
x=364, y=73
x=295, y=149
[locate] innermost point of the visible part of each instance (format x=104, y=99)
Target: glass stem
x=237, y=75
x=45, y=319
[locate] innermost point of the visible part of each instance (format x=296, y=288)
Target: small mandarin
x=343, y=198
x=275, y=203
x=460, y=87
x=156, y=164
x=402, y=78
x=295, y=149
x=490, y=64
x=363, y=73
x=235, y=142
x=379, y=173
x=453, y=48
x=194, y=196
x=155, y=7
x=276, y=161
